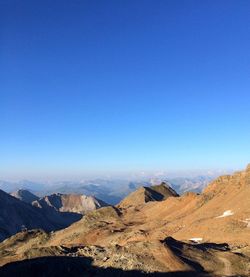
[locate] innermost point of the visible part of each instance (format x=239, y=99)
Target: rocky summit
x=76, y=203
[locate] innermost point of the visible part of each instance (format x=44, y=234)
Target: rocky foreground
x=152, y=231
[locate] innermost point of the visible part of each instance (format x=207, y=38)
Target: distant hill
x=25, y=195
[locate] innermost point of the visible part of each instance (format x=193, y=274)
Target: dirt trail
x=227, y=266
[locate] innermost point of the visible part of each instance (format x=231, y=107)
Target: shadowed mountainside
x=75, y=267
x=16, y=215
x=25, y=195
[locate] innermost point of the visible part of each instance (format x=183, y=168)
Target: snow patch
x=196, y=240
x=226, y=213
x=247, y=221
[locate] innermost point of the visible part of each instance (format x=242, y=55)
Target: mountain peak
x=77, y=203
x=146, y=194
x=25, y=195
x=165, y=189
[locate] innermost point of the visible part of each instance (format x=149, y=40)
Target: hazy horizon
x=129, y=175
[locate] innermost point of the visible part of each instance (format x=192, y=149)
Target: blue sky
x=111, y=86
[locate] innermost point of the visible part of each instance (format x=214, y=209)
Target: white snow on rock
x=247, y=221
x=196, y=240
x=226, y=213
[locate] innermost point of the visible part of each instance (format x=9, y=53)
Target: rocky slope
x=203, y=235
x=77, y=203
x=24, y=195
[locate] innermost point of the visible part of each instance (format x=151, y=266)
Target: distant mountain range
x=110, y=191
x=23, y=184
x=195, y=184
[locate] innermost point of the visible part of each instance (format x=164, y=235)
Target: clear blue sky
x=89, y=86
